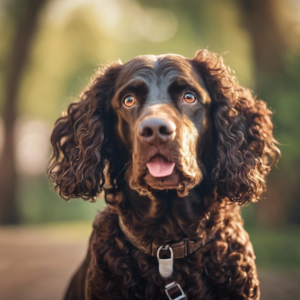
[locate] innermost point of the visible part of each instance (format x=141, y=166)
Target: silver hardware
x=165, y=266
x=172, y=285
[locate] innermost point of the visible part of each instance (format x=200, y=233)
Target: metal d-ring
x=165, y=266
x=177, y=286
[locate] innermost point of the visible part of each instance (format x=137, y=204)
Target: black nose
x=156, y=131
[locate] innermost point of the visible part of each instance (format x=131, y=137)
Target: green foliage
x=40, y=204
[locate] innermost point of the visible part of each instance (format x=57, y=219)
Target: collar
x=180, y=249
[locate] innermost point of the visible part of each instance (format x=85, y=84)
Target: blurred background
x=49, y=49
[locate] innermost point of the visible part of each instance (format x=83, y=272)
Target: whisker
x=123, y=168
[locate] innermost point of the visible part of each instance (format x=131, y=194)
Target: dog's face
x=164, y=122
x=162, y=109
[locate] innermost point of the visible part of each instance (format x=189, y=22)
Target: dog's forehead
x=156, y=59
x=155, y=68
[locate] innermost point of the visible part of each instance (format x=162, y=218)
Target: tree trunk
x=262, y=21
x=25, y=28
x=269, y=44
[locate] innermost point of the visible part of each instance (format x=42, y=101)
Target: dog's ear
x=245, y=149
x=81, y=140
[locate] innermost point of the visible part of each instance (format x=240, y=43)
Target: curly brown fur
x=246, y=148
x=222, y=149
x=79, y=140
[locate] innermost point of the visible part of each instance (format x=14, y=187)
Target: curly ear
x=245, y=147
x=80, y=140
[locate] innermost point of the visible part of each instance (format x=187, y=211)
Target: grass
x=276, y=248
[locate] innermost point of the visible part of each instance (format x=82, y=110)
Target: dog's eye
x=129, y=101
x=189, y=98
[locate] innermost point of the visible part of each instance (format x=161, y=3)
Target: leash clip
x=165, y=266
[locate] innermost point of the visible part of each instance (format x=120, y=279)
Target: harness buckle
x=165, y=266
x=176, y=291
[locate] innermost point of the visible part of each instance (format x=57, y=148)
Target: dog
x=177, y=145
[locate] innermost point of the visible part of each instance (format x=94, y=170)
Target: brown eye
x=129, y=101
x=189, y=98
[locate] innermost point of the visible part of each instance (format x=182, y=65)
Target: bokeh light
x=32, y=146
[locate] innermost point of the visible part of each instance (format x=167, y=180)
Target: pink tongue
x=158, y=167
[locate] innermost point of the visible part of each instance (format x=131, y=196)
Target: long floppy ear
x=245, y=147
x=81, y=140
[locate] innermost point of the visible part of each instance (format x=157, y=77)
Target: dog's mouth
x=158, y=166
x=163, y=172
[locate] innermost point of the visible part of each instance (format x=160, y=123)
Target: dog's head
x=164, y=122
x=162, y=109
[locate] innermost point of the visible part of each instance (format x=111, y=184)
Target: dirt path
x=36, y=264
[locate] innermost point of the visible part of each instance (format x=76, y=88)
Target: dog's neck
x=167, y=218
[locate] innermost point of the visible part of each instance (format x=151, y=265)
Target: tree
x=25, y=16
x=271, y=34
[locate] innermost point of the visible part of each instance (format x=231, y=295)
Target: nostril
x=147, y=132
x=156, y=131
x=165, y=130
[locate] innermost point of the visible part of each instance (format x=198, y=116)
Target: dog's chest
x=130, y=274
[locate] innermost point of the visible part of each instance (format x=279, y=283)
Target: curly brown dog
x=177, y=146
